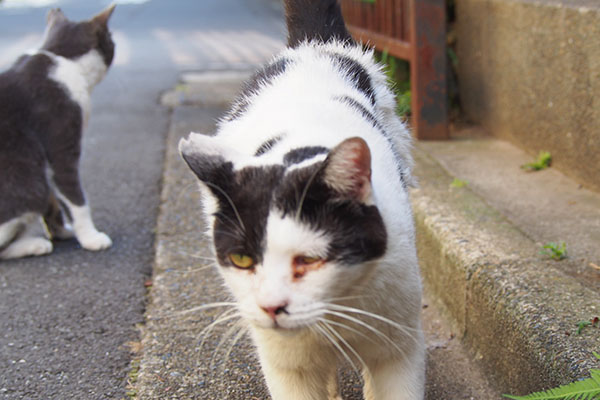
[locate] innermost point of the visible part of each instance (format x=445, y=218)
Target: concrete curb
x=515, y=310
x=176, y=361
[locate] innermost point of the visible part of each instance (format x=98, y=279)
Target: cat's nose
x=274, y=311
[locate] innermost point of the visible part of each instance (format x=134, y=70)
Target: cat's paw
x=37, y=246
x=95, y=241
x=27, y=247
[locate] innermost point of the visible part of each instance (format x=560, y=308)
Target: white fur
x=83, y=227
x=20, y=237
x=9, y=230
x=78, y=77
x=299, y=364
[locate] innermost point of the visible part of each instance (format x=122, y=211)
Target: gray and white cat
x=305, y=188
x=44, y=107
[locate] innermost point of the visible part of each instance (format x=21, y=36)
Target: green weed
x=543, y=161
x=398, y=73
x=556, y=251
x=587, y=389
x=458, y=183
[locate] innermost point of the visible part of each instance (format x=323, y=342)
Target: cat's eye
x=241, y=260
x=305, y=260
x=303, y=264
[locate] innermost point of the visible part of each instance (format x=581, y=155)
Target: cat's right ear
x=206, y=158
x=347, y=170
x=103, y=17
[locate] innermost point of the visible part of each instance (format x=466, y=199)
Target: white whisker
x=225, y=219
x=305, y=191
x=235, y=210
x=345, y=343
x=332, y=340
x=243, y=330
x=355, y=331
x=403, y=329
x=230, y=332
x=369, y=327
x=206, y=307
x=223, y=317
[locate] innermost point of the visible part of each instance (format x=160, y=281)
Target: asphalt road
x=66, y=319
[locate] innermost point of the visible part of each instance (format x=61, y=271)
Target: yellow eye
x=241, y=260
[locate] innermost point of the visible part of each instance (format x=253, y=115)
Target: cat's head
x=290, y=237
x=76, y=39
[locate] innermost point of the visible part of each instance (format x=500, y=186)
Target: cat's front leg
x=296, y=384
x=294, y=367
x=85, y=231
x=395, y=379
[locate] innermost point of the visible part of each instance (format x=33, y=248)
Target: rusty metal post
x=429, y=99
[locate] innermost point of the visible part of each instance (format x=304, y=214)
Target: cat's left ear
x=103, y=17
x=208, y=159
x=348, y=169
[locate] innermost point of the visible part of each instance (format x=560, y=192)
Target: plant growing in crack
x=458, y=183
x=556, y=251
x=542, y=161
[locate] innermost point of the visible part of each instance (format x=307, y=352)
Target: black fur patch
x=252, y=87
x=246, y=198
x=296, y=156
x=356, y=230
x=266, y=146
x=365, y=113
x=314, y=20
x=357, y=73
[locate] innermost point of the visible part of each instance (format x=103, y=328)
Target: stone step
x=529, y=72
x=479, y=247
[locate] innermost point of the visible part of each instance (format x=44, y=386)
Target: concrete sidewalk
x=180, y=356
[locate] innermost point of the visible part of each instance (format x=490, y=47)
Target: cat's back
x=22, y=85
x=316, y=95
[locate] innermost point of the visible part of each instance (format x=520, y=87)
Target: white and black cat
x=305, y=188
x=44, y=107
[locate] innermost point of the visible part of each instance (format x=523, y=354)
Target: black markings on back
x=252, y=87
x=267, y=146
x=362, y=109
x=314, y=21
x=296, y=156
x=357, y=73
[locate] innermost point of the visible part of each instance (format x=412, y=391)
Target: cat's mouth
x=287, y=323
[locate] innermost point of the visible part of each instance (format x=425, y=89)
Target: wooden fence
x=412, y=30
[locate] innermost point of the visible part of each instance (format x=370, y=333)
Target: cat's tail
x=315, y=20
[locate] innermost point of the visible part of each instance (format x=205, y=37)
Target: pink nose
x=274, y=311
